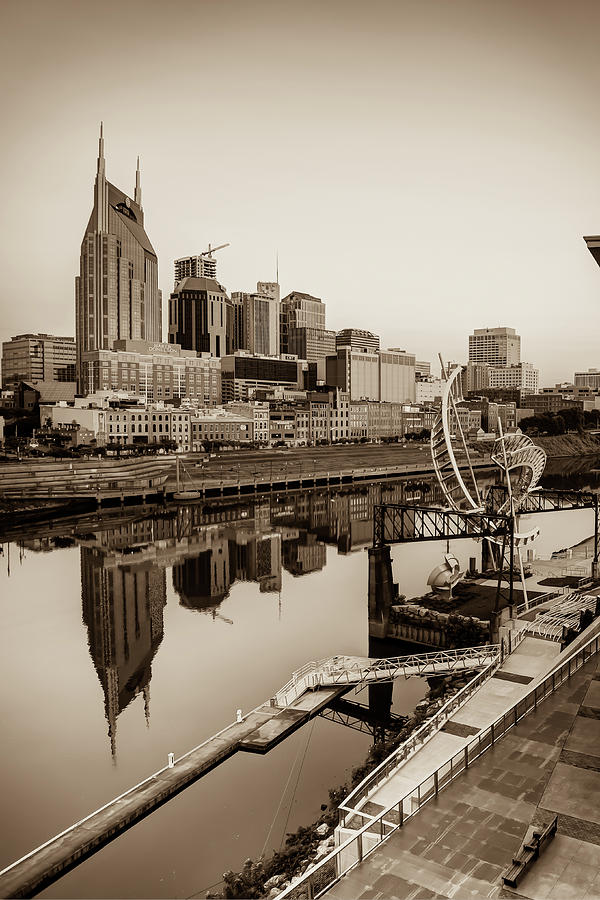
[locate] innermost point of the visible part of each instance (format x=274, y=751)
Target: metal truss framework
x=541, y=500
x=361, y=718
x=396, y=524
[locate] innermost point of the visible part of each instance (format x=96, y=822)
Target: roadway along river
x=122, y=643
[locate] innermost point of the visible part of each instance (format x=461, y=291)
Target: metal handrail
x=416, y=739
x=536, y=601
x=340, y=669
x=319, y=878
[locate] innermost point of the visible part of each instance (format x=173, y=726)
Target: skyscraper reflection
x=123, y=612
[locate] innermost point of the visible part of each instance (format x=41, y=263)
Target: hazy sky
x=423, y=167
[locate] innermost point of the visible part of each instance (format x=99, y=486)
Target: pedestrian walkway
x=462, y=841
x=511, y=681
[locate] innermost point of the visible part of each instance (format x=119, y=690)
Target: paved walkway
x=460, y=843
x=533, y=657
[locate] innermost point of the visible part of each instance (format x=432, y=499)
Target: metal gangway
x=564, y=613
x=360, y=671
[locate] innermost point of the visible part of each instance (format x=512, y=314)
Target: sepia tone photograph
x=300, y=450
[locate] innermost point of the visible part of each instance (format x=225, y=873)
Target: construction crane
x=211, y=250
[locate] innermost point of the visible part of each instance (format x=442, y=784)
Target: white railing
x=416, y=740
x=537, y=601
x=341, y=670
x=318, y=879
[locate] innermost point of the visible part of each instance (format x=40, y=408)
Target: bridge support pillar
x=382, y=590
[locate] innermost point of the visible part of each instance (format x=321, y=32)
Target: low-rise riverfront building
x=219, y=425
x=123, y=425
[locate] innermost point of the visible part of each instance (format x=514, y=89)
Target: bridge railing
x=444, y=657
x=317, y=880
x=414, y=742
x=350, y=670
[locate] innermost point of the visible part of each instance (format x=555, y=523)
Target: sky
x=425, y=168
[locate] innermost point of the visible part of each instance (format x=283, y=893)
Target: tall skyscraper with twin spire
x=116, y=291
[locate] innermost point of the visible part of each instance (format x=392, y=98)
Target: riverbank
x=228, y=474
x=306, y=846
x=563, y=445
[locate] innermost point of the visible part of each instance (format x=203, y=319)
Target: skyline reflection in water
x=186, y=614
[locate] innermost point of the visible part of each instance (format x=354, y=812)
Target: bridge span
x=360, y=671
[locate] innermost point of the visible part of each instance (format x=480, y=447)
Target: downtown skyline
x=459, y=203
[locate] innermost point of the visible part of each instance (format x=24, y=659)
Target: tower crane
x=211, y=250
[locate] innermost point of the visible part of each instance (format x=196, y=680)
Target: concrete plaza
x=461, y=842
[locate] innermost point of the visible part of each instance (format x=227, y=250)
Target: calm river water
x=138, y=635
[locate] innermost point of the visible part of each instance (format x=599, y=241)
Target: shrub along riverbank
x=583, y=444
x=269, y=877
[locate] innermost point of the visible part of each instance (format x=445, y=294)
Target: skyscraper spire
x=138, y=187
x=101, y=188
x=101, y=161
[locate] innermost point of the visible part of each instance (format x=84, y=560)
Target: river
x=141, y=634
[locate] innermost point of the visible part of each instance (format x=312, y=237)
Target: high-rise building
x=357, y=339
x=268, y=289
x=591, y=378
x=37, y=357
x=593, y=245
x=123, y=611
x=203, y=266
x=476, y=376
x=388, y=375
x=299, y=310
x=523, y=376
x=303, y=330
x=495, y=346
x=257, y=317
x=242, y=374
x=198, y=316
x=116, y=291
x=236, y=331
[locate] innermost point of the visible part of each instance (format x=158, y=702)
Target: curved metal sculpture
x=516, y=453
x=443, y=578
x=461, y=493
x=520, y=459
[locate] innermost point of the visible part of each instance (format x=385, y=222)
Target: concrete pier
x=383, y=592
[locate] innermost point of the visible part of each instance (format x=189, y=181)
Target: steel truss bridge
x=542, y=500
x=358, y=671
x=395, y=524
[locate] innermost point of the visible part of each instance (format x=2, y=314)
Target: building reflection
x=125, y=554
x=123, y=612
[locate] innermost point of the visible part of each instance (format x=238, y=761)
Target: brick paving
x=460, y=843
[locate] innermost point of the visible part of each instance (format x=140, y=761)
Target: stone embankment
x=420, y=625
